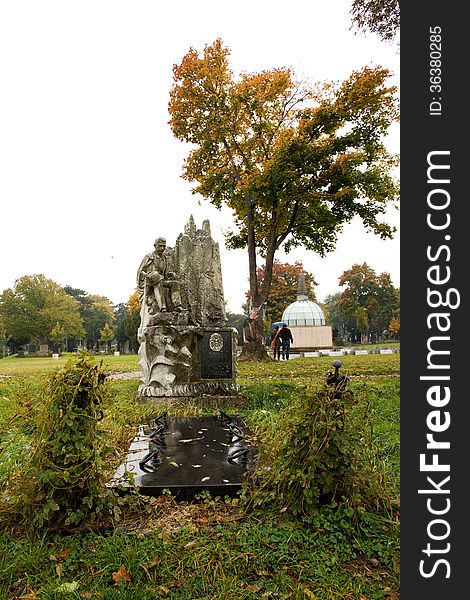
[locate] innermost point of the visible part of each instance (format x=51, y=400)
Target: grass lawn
x=28, y=366
x=213, y=548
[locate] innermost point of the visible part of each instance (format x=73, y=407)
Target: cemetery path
x=127, y=375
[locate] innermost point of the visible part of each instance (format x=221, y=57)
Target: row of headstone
x=344, y=351
x=41, y=351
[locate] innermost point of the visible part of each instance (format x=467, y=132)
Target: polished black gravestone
x=187, y=455
x=216, y=355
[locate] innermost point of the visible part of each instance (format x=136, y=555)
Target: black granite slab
x=188, y=455
x=216, y=355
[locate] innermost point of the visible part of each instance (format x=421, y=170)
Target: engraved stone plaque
x=216, y=355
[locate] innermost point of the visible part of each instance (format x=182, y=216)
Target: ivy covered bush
x=62, y=481
x=318, y=455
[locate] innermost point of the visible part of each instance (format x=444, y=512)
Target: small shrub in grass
x=317, y=456
x=63, y=480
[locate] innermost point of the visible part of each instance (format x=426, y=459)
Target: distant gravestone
x=43, y=350
x=386, y=351
x=362, y=352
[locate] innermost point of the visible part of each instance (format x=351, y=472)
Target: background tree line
x=367, y=310
x=37, y=310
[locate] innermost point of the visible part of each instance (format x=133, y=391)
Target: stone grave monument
x=187, y=354
x=186, y=350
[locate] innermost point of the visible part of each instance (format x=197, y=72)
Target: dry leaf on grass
x=62, y=555
x=253, y=588
x=122, y=574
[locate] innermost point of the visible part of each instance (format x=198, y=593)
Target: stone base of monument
x=188, y=455
x=188, y=363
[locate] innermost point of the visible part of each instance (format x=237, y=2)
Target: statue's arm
x=143, y=269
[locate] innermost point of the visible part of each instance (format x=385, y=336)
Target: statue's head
x=160, y=245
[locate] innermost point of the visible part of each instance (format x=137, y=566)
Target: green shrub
x=62, y=479
x=318, y=456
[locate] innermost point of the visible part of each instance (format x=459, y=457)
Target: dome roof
x=303, y=313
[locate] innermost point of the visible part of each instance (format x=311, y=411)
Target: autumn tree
x=284, y=283
x=3, y=338
x=293, y=162
x=374, y=294
x=378, y=16
x=132, y=320
x=107, y=336
x=36, y=307
x=340, y=323
x=99, y=314
x=58, y=336
x=95, y=311
x=394, y=327
x=362, y=322
x=120, y=313
x=84, y=303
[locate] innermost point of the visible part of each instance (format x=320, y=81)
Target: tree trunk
x=254, y=347
x=252, y=266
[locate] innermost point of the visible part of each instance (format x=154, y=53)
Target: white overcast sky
x=90, y=173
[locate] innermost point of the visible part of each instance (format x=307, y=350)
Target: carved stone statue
x=182, y=307
x=198, y=263
x=158, y=288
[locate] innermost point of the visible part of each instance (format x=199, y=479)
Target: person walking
x=286, y=340
x=276, y=343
